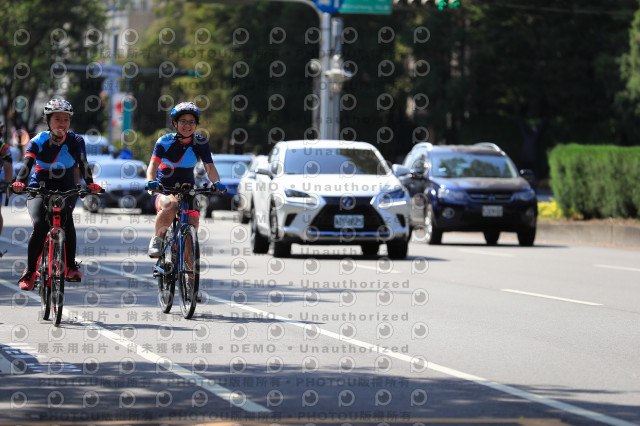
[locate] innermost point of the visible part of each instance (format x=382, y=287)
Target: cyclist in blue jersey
x=56, y=154
x=172, y=162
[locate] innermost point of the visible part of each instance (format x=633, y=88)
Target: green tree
x=35, y=36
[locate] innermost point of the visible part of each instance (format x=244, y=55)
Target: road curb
x=598, y=233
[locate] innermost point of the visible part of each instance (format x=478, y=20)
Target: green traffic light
x=455, y=3
x=441, y=4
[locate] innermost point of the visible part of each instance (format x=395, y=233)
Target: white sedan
x=329, y=192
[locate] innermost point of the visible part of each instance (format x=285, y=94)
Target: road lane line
x=546, y=296
x=486, y=252
x=621, y=268
x=569, y=408
x=371, y=268
x=233, y=397
x=592, y=415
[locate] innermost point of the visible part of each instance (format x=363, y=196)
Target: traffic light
x=451, y=4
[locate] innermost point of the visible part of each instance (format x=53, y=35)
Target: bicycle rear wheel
x=166, y=281
x=58, y=270
x=189, y=271
x=44, y=285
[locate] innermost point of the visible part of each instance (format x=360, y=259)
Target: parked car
x=474, y=188
x=231, y=168
x=329, y=192
x=244, y=197
x=97, y=146
x=123, y=182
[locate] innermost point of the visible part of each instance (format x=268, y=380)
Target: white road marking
x=486, y=252
x=569, y=408
x=371, y=268
x=621, y=268
x=226, y=394
x=546, y=296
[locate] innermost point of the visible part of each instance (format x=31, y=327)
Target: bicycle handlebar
x=186, y=190
x=78, y=190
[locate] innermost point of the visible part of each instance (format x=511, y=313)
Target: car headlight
x=528, y=195
x=392, y=198
x=454, y=195
x=295, y=196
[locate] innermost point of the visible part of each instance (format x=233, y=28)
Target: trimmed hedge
x=596, y=181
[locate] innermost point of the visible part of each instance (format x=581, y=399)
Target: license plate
x=492, y=211
x=355, y=221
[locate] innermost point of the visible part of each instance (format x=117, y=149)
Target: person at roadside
x=56, y=153
x=6, y=160
x=172, y=162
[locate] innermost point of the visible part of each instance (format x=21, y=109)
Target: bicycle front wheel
x=44, y=283
x=166, y=281
x=189, y=271
x=58, y=270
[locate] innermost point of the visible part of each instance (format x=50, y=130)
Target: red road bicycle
x=51, y=269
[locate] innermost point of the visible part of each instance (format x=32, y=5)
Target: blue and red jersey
x=54, y=164
x=177, y=159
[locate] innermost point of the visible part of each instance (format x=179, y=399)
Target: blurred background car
x=97, y=145
x=123, y=182
x=329, y=192
x=472, y=188
x=246, y=186
x=231, y=167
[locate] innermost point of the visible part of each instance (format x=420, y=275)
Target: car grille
x=324, y=219
x=491, y=197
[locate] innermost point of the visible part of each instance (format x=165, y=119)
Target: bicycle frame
x=51, y=264
x=172, y=265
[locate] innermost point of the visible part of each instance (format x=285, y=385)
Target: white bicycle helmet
x=58, y=105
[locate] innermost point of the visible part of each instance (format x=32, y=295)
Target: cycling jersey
x=5, y=152
x=177, y=159
x=54, y=164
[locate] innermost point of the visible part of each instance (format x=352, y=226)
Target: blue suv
x=474, y=188
x=231, y=168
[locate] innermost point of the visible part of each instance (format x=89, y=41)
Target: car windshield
x=231, y=169
x=461, y=165
x=329, y=161
x=125, y=170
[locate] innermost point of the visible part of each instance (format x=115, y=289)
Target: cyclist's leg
x=73, y=274
x=167, y=206
x=69, y=229
x=36, y=209
x=36, y=242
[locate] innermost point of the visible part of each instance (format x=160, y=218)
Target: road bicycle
x=180, y=257
x=52, y=267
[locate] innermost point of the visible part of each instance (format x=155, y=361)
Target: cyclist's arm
x=212, y=172
x=23, y=174
x=85, y=169
x=152, y=170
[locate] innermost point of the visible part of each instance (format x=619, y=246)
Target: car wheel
x=244, y=216
x=432, y=234
x=491, y=237
x=527, y=237
x=91, y=203
x=259, y=243
x=370, y=249
x=280, y=248
x=398, y=248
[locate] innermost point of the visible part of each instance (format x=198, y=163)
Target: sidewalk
x=585, y=232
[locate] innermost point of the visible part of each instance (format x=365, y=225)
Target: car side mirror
x=400, y=170
x=528, y=175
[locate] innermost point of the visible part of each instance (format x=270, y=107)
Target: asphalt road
x=458, y=333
